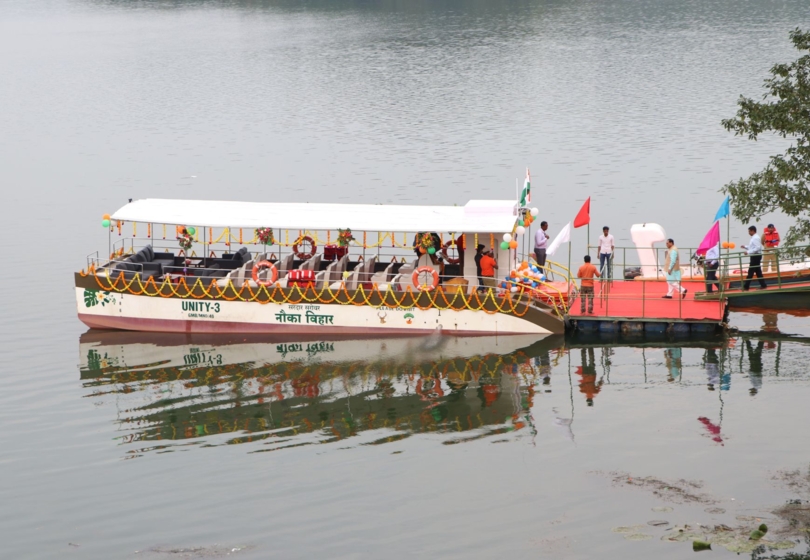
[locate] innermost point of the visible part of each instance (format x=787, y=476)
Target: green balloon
x=521, y=223
x=431, y=250
x=504, y=245
x=191, y=230
x=105, y=223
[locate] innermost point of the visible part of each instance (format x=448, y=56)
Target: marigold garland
x=296, y=295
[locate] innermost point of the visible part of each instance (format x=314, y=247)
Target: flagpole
x=588, y=241
x=568, y=291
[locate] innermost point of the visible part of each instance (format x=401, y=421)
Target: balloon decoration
x=507, y=237
x=534, y=212
x=513, y=244
x=105, y=223
x=504, y=245
x=528, y=276
x=724, y=244
x=732, y=245
x=431, y=250
x=105, y=217
x=520, y=230
x=191, y=230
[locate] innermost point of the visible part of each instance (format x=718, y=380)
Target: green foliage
x=784, y=184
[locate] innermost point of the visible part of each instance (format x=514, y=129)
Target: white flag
x=563, y=237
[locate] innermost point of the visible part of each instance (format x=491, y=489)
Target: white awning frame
x=477, y=216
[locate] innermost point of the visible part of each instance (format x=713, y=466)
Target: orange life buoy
x=273, y=273
x=300, y=254
x=423, y=270
x=447, y=257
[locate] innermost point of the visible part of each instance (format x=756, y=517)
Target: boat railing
x=781, y=267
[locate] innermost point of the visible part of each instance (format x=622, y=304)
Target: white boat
x=375, y=282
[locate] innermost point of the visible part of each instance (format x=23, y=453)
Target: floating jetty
x=635, y=307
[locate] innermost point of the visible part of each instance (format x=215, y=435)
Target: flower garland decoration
x=426, y=244
x=265, y=236
x=185, y=240
x=344, y=237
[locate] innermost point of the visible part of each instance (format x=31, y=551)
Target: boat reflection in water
x=173, y=390
x=293, y=392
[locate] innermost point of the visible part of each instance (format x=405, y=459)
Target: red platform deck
x=623, y=300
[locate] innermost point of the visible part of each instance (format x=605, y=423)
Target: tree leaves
x=784, y=184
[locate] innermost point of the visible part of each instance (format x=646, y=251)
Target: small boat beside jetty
x=308, y=268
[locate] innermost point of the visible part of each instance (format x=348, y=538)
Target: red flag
x=584, y=215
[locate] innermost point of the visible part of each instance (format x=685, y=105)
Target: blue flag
x=723, y=211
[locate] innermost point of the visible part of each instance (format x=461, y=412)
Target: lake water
x=120, y=446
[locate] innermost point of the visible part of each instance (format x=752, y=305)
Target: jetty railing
x=782, y=263
x=641, y=299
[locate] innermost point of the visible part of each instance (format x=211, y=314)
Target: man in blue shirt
x=754, y=249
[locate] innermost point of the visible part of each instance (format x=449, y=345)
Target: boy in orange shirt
x=587, y=272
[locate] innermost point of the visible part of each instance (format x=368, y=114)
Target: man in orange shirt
x=586, y=273
x=488, y=268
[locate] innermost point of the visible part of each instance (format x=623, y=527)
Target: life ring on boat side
x=264, y=264
x=425, y=270
x=302, y=255
x=447, y=257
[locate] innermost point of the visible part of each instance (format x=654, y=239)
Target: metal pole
x=569, y=269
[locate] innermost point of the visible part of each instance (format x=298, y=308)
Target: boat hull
x=114, y=310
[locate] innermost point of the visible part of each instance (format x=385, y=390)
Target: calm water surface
x=176, y=448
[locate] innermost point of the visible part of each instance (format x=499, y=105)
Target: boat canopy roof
x=491, y=216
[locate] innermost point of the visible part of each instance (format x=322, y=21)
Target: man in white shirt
x=754, y=249
x=540, y=244
x=710, y=266
x=606, y=248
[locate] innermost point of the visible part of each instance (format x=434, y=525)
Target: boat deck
x=643, y=301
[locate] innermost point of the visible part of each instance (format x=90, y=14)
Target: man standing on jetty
x=586, y=273
x=754, y=249
x=770, y=239
x=540, y=244
x=672, y=268
x=606, y=248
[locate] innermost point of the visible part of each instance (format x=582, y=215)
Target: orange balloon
x=513, y=244
x=724, y=245
x=422, y=250
x=731, y=245
x=105, y=217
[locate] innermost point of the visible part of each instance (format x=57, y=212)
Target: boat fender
x=302, y=255
x=264, y=264
x=425, y=270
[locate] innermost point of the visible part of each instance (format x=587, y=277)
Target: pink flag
x=712, y=238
